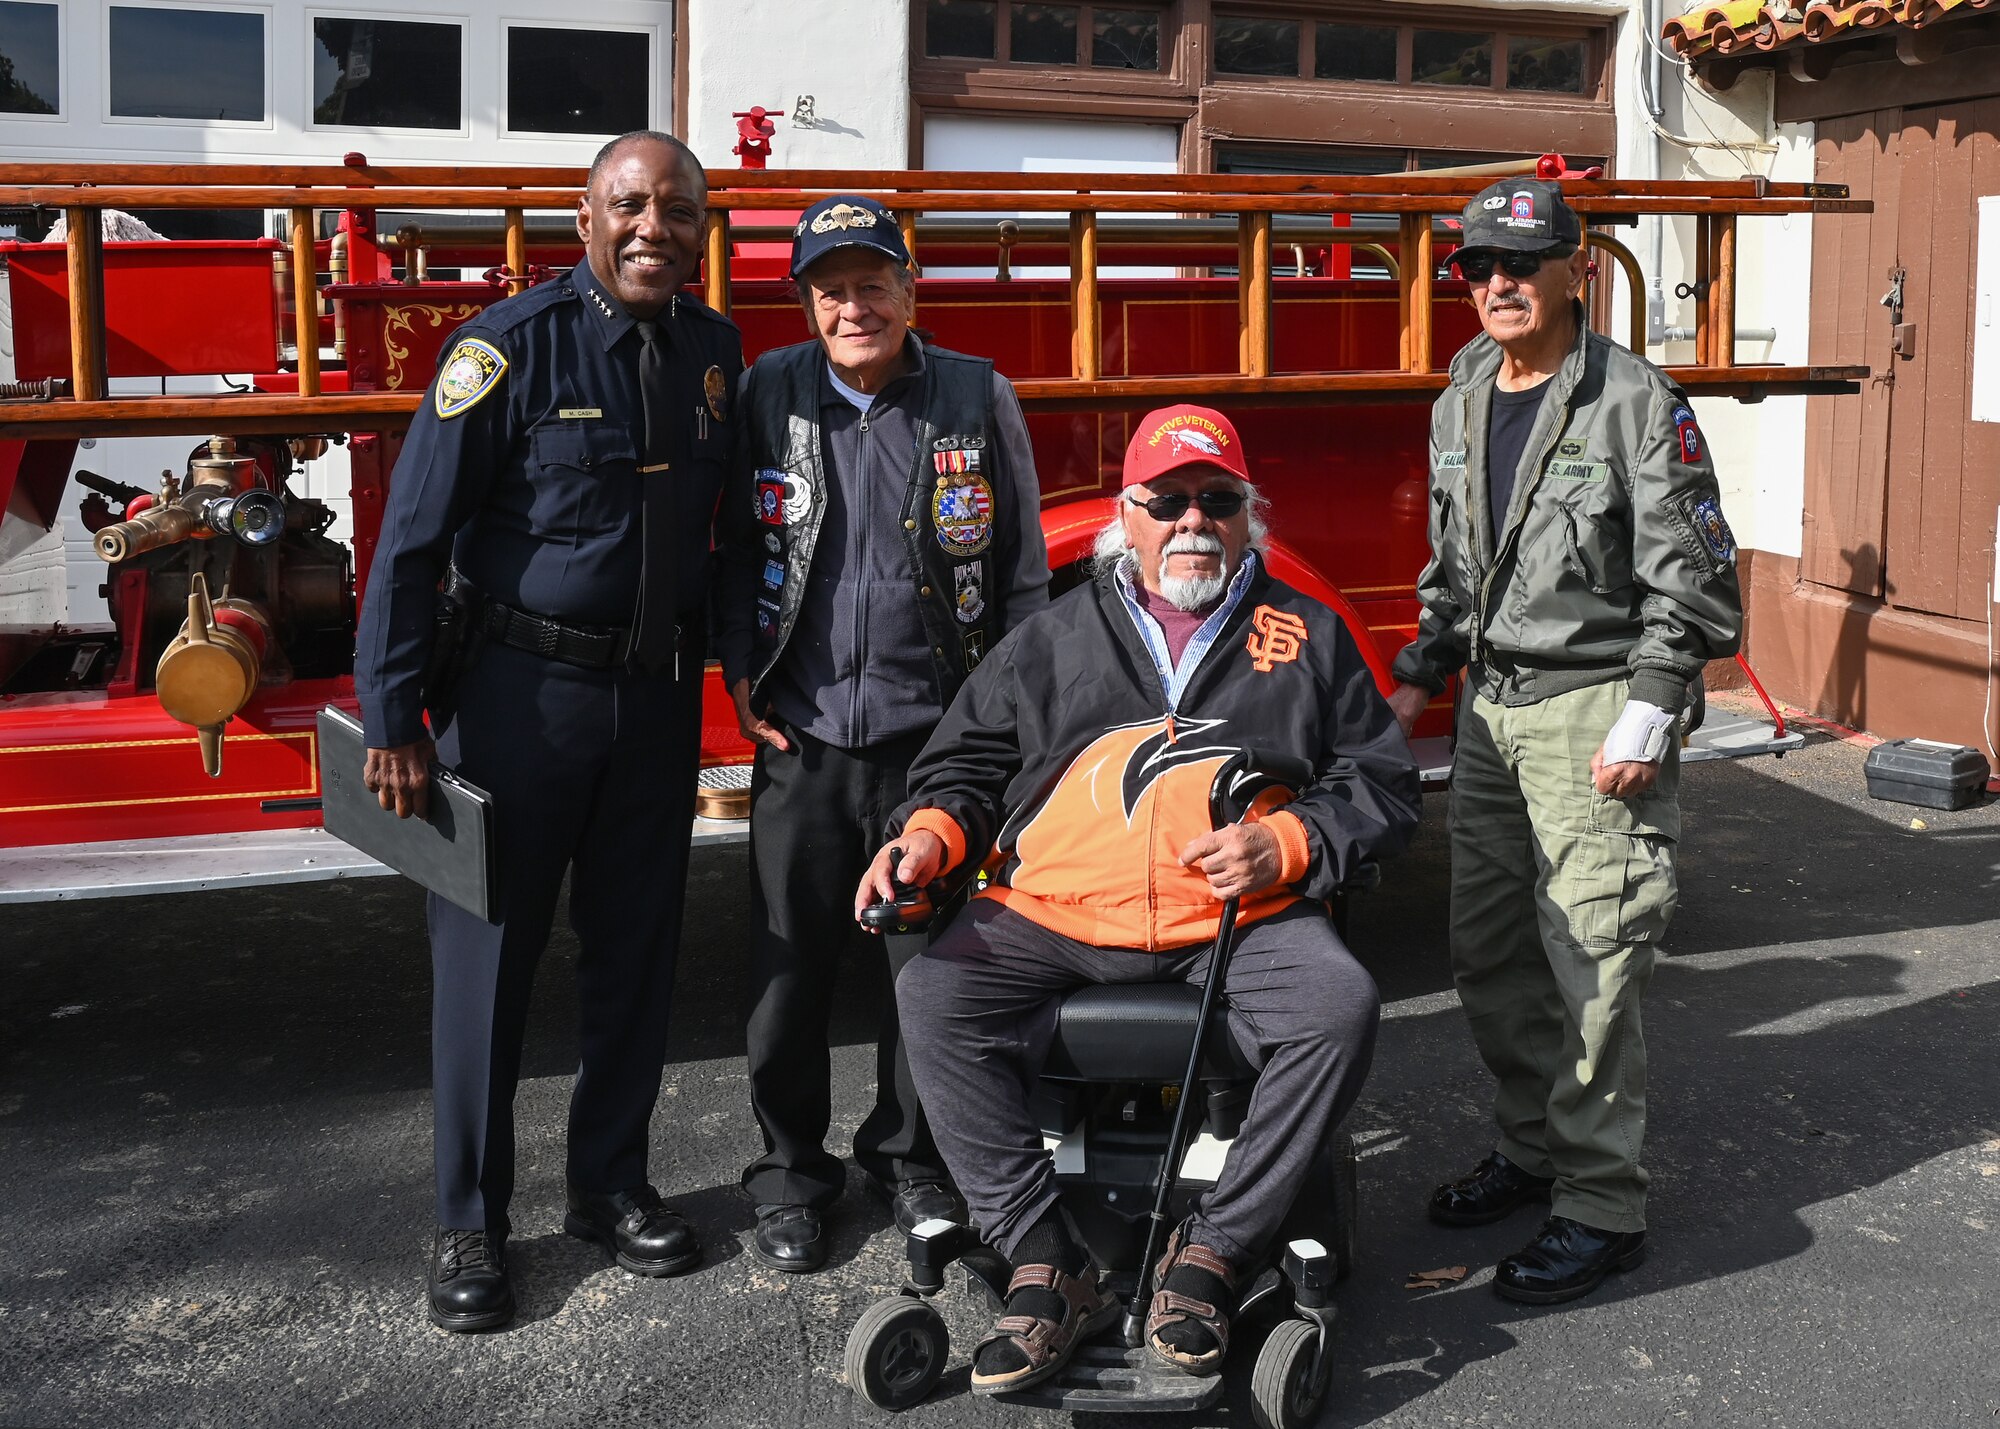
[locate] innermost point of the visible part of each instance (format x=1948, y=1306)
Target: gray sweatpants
x=979, y=1015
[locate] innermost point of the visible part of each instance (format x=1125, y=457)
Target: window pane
x=1042, y=35
x=1125, y=39
x=1245, y=46
x=1451, y=57
x=1537, y=62
x=391, y=74
x=186, y=64
x=577, y=81
x=30, y=77
x=960, y=29
x=1354, y=52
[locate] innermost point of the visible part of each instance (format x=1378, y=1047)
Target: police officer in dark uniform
x=881, y=533
x=565, y=466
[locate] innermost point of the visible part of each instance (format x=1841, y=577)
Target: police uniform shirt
x=522, y=465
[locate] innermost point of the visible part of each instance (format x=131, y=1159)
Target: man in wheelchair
x=1077, y=761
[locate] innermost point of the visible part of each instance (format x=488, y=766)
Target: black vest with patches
x=952, y=465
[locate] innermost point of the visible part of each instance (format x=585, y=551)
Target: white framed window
x=578, y=78
x=183, y=62
x=381, y=73
x=32, y=45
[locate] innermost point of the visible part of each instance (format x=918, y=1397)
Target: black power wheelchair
x=1135, y=1072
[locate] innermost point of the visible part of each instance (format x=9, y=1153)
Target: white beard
x=1191, y=593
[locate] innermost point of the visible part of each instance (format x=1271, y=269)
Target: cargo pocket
x=1624, y=888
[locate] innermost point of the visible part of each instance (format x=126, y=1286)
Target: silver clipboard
x=449, y=850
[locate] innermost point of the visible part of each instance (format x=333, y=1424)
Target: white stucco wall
x=1759, y=449
x=853, y=58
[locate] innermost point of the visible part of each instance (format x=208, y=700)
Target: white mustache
x=1193, y=543
x=1510, y=301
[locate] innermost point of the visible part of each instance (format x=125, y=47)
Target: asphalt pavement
x=215, y=1165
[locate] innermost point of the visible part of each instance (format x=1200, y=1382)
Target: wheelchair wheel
x=1285, y=1390
x=896, y=1352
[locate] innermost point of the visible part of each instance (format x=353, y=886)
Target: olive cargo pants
x=1558, y=894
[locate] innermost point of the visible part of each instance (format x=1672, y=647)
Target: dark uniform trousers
x=817, y=816
x=591, y=772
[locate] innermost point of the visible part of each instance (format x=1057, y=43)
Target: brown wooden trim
x=1402, y=119
x=390, y=411
x=89, y=379
x=1060, y=104
x=1971, y=71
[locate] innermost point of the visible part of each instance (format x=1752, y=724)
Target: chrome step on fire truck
x=168, y=742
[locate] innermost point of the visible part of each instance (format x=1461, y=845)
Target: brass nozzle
x=156, y=526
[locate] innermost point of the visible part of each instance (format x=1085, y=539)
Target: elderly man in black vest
x=880, y=535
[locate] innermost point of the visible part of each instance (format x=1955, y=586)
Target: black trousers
x=817, y=816
x=591, y=772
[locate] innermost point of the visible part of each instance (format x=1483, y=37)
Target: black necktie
x=654, y=636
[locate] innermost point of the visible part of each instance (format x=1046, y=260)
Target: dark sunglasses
x=1478, y=265
x=1218, y=504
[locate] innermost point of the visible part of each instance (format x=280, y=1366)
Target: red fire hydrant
x=753, y=134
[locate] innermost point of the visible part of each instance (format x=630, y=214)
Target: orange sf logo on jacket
x=1100, y=860
x=1276, y=637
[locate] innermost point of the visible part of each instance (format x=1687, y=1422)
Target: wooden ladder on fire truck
x=1080, y=222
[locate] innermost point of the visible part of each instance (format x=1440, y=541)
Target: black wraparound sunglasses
x=1219, y=504
x=1478, y=264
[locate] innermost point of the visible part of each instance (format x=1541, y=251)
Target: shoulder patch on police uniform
x=473, y=369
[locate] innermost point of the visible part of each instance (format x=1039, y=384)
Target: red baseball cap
x=1183, y=435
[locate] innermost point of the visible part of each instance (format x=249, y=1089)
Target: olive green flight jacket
x=1614, y=559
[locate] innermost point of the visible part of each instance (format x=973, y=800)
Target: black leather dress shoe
x=469, y=1287
x=1566, y=1259
x=918, y=1201
x=790, y=1238
x=642, y=1235
x=1493, y=1190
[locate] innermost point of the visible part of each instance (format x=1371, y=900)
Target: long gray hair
x=1113, y=547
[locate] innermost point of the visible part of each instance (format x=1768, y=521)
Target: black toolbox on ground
x=1926, y=773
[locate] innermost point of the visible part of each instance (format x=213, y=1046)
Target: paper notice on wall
x=1986, y=316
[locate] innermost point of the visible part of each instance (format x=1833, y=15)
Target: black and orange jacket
x=1061, y=754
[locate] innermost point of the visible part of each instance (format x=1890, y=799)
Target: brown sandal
x=1168, y=1307
x=1046, y=1344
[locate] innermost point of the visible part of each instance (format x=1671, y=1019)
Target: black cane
x=1222, y=797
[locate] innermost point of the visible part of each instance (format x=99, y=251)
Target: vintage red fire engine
x=1314, y=308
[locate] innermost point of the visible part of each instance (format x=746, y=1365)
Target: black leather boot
x=1491, y=1191
x=469, y=1286
x=1566, y=1259
x=642, y=1235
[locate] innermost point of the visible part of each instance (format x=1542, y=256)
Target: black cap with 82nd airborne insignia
x=1520, y=216
x=845, y=221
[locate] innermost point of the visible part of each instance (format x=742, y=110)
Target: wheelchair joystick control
x=911, y=908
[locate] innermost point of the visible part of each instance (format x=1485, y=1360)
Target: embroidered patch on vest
x=771, y=497
x=1276, y=638
x=471, y=371
x=975, y=647
x=969, y=599
x=962, y=512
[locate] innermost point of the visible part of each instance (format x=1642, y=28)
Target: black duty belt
x=592, y=647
